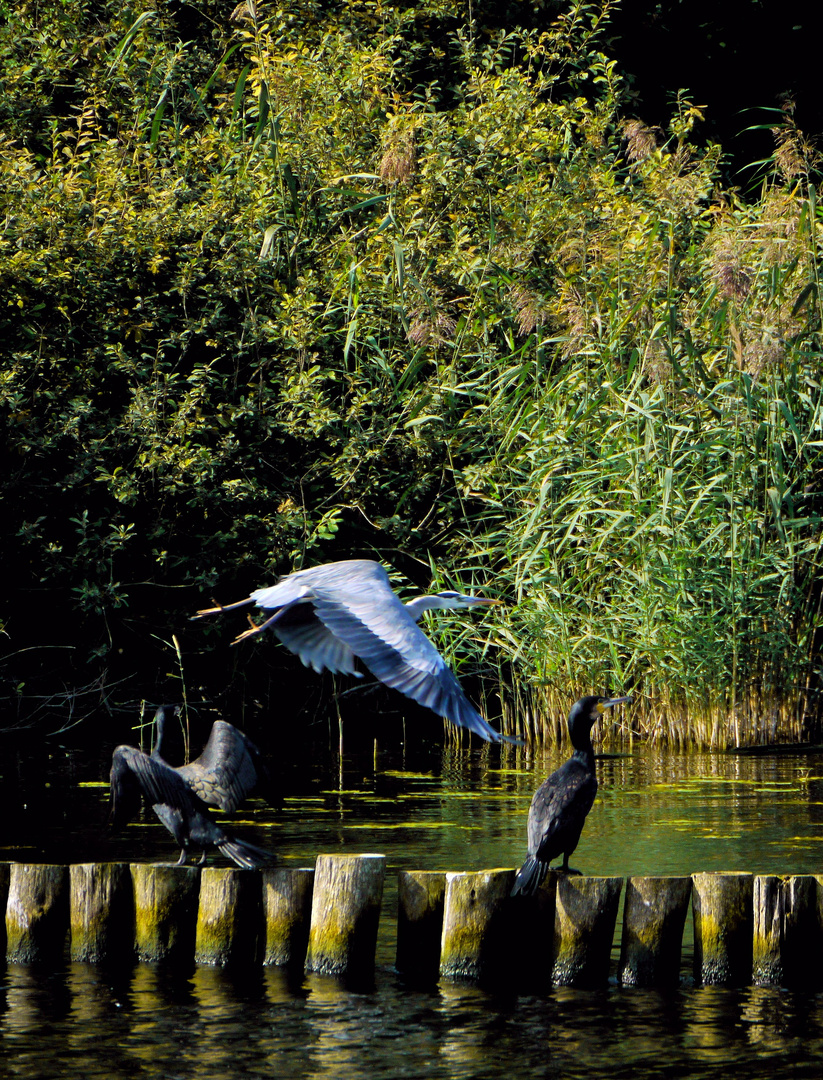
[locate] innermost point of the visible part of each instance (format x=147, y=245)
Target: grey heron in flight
x=328, y=615
x=172, y=794
x=559, y=806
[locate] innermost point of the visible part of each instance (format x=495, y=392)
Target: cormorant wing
x=560, y=804
x=134, y=773
x=228, y=770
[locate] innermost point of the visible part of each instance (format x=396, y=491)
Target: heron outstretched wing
x=368, y=617
x=306, y=636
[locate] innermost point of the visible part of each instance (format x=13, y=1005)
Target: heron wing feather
x=398, y=653
x=305, y=635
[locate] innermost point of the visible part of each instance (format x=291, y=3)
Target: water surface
x=656, y=813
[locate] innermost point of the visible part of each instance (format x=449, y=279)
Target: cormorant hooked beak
x=607, y=703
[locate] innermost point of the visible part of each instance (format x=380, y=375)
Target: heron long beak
x=607, y=704
x=483, y=600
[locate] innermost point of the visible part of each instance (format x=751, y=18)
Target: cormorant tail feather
x=530, y=877
x=246, y=855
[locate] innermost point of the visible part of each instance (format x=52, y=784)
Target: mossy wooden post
x=345, y=914
x=802, y=932
x=654, y=914
x=585, y=913
x=421, y=898
x=37, y=912
x=165, y=910
x=533, y=935
x=287, y=914
x=229, y=917
x=723, y=927
x=477, y=927
x=5, y=872
x=767, y=939
x=787, y=945
x=101, y=911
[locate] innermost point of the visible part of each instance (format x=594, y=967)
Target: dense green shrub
x=367, y=279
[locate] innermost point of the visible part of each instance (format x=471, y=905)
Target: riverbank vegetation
x=366, y=279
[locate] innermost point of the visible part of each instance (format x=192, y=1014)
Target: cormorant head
x=160, y=718
x=585, y=713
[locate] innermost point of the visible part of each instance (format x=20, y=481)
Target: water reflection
x=149, y=1023
x=457, y=810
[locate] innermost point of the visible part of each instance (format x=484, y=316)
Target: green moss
x=336, y=946
x=165, y=907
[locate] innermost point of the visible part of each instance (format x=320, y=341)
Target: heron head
x=448, y=598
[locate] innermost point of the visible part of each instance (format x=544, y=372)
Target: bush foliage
x=369, y=279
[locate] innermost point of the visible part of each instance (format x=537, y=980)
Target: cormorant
x=229, y=769
x=560, y=805
x=174, y=798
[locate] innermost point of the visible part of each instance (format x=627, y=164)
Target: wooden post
x=654, y=914
x=37, y=912
x=723, y=927
x=345, y=914
x=5, y=873
x=802, y=932
x=767, y=941
x=420, y=901
x=477, y=927
x=787, y=943
x=585, y=914
x=101, y=911
x=229, y=917
x=287, y=913
x=165, y=910
x=533, y=935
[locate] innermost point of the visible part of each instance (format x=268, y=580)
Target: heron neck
x=420, y=604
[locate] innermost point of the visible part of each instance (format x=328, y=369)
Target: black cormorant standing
x=222, y=775
x=561, y=803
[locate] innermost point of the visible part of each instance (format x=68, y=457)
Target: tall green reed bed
x=386, y=281
x=651, y=495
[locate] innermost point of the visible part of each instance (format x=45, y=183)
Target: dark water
x=455, y=810
x=80, y=1022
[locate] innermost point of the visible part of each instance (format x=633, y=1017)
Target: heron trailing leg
x=220, y=608
x=255, y=629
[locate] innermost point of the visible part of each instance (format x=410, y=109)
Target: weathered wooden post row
x=766, y=929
